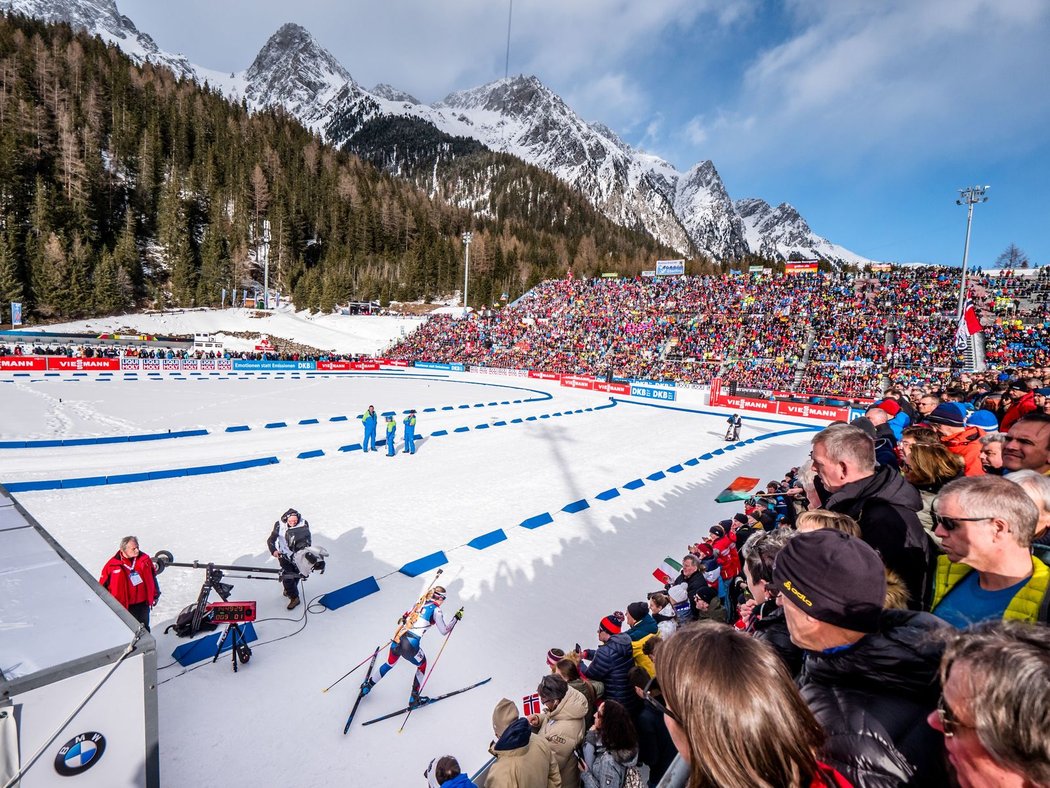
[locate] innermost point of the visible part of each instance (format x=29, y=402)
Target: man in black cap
x=870, y=675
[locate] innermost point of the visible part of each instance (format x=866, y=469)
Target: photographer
x=290, y=534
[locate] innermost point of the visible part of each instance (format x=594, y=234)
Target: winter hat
x=983, y=419
x=891, y=406
x=289, y=513
x=638, y=610
x=1043, y=392
x=611, y=623
x=503, y=715
x=833, y=577
x=678, y=593
x=718, y=531
x=947, y=413
x=554, y=656
x=741, y=518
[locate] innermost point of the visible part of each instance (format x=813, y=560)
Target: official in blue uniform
x=391, y=436
x=368, y=420
x=410, y=432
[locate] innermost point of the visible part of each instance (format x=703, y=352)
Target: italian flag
x=667, y=571
x=738, y=490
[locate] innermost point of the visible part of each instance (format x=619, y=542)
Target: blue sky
x=866, y=116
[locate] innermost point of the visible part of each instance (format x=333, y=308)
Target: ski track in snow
x=537, y=589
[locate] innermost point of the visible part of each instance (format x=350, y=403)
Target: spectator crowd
x=832, y=334
x=877, y=617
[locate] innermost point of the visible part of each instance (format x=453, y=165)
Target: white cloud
x=919, y=81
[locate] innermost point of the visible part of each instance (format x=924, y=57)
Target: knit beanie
x=638, y=610
x=832, y=577
x=503, y=715
x=554, y=656
x=611, y=623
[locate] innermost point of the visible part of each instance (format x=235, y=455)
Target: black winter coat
x=873, y=699
x=695, y=584
x=609, y=664
x=885, y=505
x=769, y=625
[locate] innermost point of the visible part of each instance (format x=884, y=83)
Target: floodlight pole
x=968, y=197
x=467, y=238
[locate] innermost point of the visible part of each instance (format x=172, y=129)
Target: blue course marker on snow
x=306, y=455
x=487, y=540
x=308, y=421
x=576, y=506
x=424, y=564
x=608, y=495
x=339, y=418
x=204, y=648
x=274, y=425
x=537, y=521
x=675, y=469
x=351, y=447
x=692, y=461
x=634, y=484
x=438, y=433
x=655, y=477
x=462, y=429
x=341, y=597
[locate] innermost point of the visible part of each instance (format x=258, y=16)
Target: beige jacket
x=531, y=766
x=564, y=729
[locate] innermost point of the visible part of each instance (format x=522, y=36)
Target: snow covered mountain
x=101, y=18
x=691, y=212
x=781, y=231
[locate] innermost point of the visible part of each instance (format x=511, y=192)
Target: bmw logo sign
x=80, y=753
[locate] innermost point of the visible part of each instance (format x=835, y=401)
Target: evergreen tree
x=109, y=296
x=10, y=282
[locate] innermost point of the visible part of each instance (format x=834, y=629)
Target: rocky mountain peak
x=294, y=71
x=390, y=93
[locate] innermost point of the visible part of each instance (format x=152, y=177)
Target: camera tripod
x=239, y=648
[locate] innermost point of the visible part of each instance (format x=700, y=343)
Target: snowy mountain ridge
x=691, y=212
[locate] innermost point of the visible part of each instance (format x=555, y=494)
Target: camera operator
x=290, y=534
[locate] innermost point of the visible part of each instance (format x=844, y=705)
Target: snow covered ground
x=364, y=334
x=270, y=724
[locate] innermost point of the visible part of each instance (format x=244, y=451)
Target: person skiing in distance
x=289, y=534
x=406, y=641
x=391, y=436
x=410, y=432
x=733, y=428
x=369, y=421
x=130, y=576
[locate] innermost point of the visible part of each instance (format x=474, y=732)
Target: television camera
x=204, y=616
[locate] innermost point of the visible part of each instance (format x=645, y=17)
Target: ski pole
x=355, y=667
x=431, y=673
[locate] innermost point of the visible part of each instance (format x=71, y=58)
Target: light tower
x=467, y=238
x=968, y=197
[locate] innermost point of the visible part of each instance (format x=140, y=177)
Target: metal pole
x=966, y=257
x=467, y=238
x=968, y=197
x=510, y=15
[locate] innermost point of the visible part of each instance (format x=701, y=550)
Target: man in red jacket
x=130, y=577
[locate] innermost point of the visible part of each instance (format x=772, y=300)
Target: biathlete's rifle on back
x=403, y=626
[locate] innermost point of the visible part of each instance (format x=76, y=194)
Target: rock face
x=691, y=212
x=292, y=70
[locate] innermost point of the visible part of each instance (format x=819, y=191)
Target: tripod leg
x=218, y=649
x=233, y=650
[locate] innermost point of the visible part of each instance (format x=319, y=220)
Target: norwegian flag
x=969, y=324
x=530, y=704
x=151, y=363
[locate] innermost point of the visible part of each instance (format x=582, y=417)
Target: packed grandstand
x=833, y=334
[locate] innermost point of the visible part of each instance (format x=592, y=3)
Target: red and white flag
x=969, y=324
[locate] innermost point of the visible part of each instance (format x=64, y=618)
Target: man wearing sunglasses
x=991, y=673
x=987, y=572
